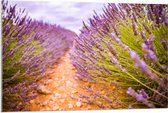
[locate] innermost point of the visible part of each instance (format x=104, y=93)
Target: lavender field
x=119, y=60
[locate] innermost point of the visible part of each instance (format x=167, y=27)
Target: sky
x=66, y=14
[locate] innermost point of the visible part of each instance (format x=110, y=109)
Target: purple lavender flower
x=130, y=91
x=144, y=94
x=133, y=55
x=166, y=21
x=149, y=53
x=141, y=96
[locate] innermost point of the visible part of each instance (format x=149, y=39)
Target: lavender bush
x=29, y=48
x=127, y=46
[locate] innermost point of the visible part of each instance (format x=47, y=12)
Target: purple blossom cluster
x=140, y=96
x=126, y=45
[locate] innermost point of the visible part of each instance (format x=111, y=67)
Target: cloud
x=67, y=14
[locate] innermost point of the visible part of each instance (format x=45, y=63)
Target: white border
x=104, y=1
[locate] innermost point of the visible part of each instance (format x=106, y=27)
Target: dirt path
x=59, y=87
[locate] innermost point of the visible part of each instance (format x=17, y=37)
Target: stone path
x=57, y=90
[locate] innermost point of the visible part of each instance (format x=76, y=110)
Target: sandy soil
x=60, y=87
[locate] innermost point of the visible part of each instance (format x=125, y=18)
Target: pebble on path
x=70, y=106
x=78, y=104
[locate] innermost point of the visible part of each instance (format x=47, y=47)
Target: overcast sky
x=67, y=14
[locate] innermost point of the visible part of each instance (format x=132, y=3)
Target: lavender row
x=29, y=48
x=126, y=45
